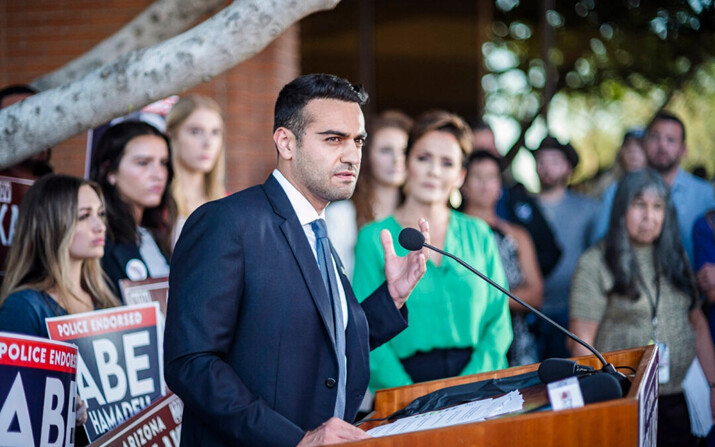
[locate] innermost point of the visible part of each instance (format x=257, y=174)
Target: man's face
x=326, y=160
x=632, y=155
x=552, y=167
x=664, y=145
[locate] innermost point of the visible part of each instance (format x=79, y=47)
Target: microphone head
x=411, y=239
x=555, y=369
x=600, y=387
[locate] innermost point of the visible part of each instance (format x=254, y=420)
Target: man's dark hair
x=17, y=89
x=480, y=154
x=295, y=95
x=667, y=116
x=552, y=143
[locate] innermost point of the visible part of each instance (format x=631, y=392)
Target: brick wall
x=37, y=36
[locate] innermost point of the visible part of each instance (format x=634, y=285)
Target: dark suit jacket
x=249, y=333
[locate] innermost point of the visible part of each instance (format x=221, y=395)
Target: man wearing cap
x=664, y=149
x=571, y=216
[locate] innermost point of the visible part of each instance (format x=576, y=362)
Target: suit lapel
x=295, y=236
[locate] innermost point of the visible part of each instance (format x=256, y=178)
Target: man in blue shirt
x=691, y=196
x=571, y=217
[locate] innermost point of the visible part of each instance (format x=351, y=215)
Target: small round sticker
x=136, y=270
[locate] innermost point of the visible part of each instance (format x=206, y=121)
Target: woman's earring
x=455, y=198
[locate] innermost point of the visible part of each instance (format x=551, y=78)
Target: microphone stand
x=607, y=367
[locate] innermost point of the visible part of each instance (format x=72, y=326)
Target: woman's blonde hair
x=214, y=180
x=39, y=256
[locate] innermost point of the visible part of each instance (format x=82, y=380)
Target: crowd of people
x=623, y=261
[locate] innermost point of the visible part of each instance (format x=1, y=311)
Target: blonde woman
x=195, y=127
x=53, y=264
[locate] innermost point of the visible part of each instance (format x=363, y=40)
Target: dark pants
x=436, y=364
x=551, y=342
x=674, y=422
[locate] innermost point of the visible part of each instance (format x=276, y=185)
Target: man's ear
x=285, y=142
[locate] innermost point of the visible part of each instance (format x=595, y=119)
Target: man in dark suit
x=265, y=346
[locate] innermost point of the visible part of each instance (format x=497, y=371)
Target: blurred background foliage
x=615, y=63
x=585, y=71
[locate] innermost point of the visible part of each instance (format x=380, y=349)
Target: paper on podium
x=459, y=414
x=697, y=395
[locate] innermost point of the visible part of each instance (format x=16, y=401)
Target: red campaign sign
x=100, y=322
x=145, y=291
x=157, y=424
x=119, y=368
x=12, y=190
x=32, y=352
x=38, y=392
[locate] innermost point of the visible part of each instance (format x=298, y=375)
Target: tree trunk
x=142, y=76
x=162, y=20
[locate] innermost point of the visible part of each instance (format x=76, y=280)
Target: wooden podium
x=629, y=421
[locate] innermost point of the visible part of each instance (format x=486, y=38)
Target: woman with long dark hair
x=132, y=165
x=53, y=265
x=636, y=288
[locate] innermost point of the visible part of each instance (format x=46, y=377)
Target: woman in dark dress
x=133, y=167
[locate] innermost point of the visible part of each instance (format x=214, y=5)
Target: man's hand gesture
x=402, y=274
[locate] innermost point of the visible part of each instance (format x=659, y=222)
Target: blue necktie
x=325, y=263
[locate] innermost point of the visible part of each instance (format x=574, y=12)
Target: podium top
x=628, y=421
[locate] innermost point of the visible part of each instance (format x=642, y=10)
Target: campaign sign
x=157, y=425
x=119, y=366
x=37, y=391
x=12, y=190
x=145, y=291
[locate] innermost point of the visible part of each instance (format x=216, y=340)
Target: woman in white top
x=196, y=130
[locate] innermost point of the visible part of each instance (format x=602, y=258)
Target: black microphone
x=599, y=388
x=413, y=240
x=552, y=370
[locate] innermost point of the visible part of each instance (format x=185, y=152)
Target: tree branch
x=162, y=20
x=142, y=76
